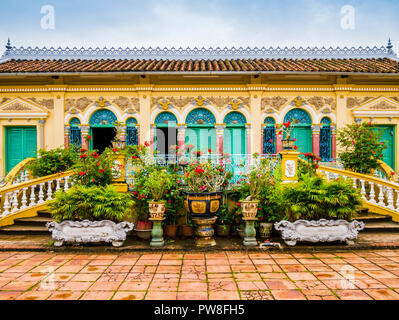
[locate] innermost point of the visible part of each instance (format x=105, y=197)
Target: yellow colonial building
x=218, y=100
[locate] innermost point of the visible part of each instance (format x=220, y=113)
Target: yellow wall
x=259, y=100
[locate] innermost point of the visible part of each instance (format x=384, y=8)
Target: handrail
x=387, y=170
x=16, y=170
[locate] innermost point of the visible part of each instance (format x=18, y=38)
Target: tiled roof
x=360, y=65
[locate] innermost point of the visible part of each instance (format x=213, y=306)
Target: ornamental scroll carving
x=353, y=102
x=222, y=102
x=274, y=102
x=383, y=105
x=47, y=103
x=80, y=104
x=16, y=106
x=177, y=102
x=4, y=100
x=320, y=102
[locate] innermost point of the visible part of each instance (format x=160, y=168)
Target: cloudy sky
x=200, y=23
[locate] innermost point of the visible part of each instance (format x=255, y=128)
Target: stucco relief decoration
x=47, y=103
x=102, y=103
x=326, y=111
x=383, y=105
x=298, y=102
x=17, y=107
x=353, y=102
x=122, y=102
x=200, y=102
x=290, y=168
x=274, y=102
x=177, y=102
x=80, y=104
x=4, y=100
x=320, y=102
x=135, y=103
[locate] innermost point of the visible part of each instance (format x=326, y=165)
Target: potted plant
x=90, y=214
x=318, y=210
x=224, y=221
x=285, y=129
x=188, y=228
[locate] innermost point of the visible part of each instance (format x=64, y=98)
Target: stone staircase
x=376, y=223
x=29, y=226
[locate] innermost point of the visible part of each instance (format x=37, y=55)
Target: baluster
x=6, y=206
x=363, y=189
x=354, y=183
x=390, y=199
x=24, y=199
x=32, y=199
x=372, y=193
x=66, y=186
x=58, y=185
x=381, y=197
x=41, y=194
x=397, y=200
x=15, y=201
x=49, y=191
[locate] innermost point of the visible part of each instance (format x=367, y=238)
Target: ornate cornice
x=31, y=53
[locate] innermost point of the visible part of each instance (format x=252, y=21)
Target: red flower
x=271, y=141
x=295, y=148
x=316, y=166
x=102, y=170
x=83, y=150
x=82, y=173
x=83, y=156
x=89, y=137
x=115, y=149
x=146, y=144
x=392, y=173
x=210, y=150
x=93, y=180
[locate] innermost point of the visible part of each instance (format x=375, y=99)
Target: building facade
x=225, y=100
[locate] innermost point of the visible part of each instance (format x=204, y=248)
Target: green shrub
x=361, y=146
x=52, y=162
x=315, y=198
x=272, y=203
x=93, y=203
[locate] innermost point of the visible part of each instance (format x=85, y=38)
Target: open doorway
x=166, y=137
x=102, y=138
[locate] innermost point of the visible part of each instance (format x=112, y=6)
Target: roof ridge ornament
x=30, y=53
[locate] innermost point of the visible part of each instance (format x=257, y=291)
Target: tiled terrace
x=223, y=275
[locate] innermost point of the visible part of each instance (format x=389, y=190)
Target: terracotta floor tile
x=288, y=295
x=218, y=269
x=129, y=295
x=328, y=275
x=243, y=276
x=157, y=295
x=301, y=276
x=390, y=283
x=97, y=295
x=286, y=261
x=32, y=277
x=194, y=256
x=234, y=261
x=134, y=286
x=193, y=262
x=193, y=286
x=352, y=295
x=382, y=294
x=318, y=267
x=216, y=262
x=18, y=285
x=192, y=296
x=273, y=275
x=256, y=295
x=20, y=269
x=9, y=295
x=75, y=286
x=280, y=284
x=35, y=295
x=168, y=269
x=170, y=262
x=163, y=285
x=173, y=277
x=307, y=262
x=86, y=277
x=366, y=266
x=105, y=286
x=251, y=285
x=263, y=261
x=259, y=256
x=222, y=285
x=93, y=269
x=172, y=256
x=66, y=295
x=124, y=262
x=213, y=276
x=381, y=274
x=68, y=269
x=310, y=285
x=368, y=284
x=317, y=292
x=264, y=268
x=293, y=268
x=342, y=284
x=243, y=268
x=224, y=295
x=144, y=269
x=100, y=262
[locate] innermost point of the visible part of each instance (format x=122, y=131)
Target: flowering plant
x=285, y=129
x=205, y=177
x=312, y=162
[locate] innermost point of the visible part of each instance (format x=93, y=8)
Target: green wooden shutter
x=388, y=135
x=21, y=143
x=303, y=134
x=234, y=141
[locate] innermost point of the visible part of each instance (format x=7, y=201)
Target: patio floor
x=216, y=275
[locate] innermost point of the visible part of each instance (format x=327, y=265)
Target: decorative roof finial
x=8, y=45
x=390, y=46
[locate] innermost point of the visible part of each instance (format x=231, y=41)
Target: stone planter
x=188, y=231
x=202, y=204
x=144, y=234
x=205, y=232
x=79, y=232
x=157, y=210
x=241, y=232
x=249, y=209
x=319, y=231
x=265, y=230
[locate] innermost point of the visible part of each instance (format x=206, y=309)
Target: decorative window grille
x=325, y=140
x=269, y=136
x=75, y=134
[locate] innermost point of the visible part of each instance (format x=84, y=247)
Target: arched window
x=201, y=116
x=166, y=118
x=269, y=136
x=166, y=132
x=234, y=136
x=302, y=130
x=325, y=139
x=102, y=118
x=75, y=135
x=131, y=132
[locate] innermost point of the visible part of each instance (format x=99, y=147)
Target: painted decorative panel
x=326, y=121
x=235, y=118
x=103, y=117
x=270, y=121
x=201, y=116
x=74, y=122
x=298, y=116
x=166, y=118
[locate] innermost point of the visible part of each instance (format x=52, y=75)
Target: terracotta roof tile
x=380, y=65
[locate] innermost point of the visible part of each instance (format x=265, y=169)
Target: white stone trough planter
x=319, y=231
x=78, y=232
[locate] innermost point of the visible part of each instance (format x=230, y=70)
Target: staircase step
x=44, y=214
x=24, y=230
x=383, y=226
x=371, y=217
x=33, y=221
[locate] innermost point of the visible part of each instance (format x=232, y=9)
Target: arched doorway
x=269, y=136
x=131, y=132
x=102, y=129
x=201, y=130
x=234, y=135
x=302, y=129
x=75, y=134
x=166, y=132
x=325, y=140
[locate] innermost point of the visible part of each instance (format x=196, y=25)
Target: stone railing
x=31, y=194
x=18, y=174
x=381, y=196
